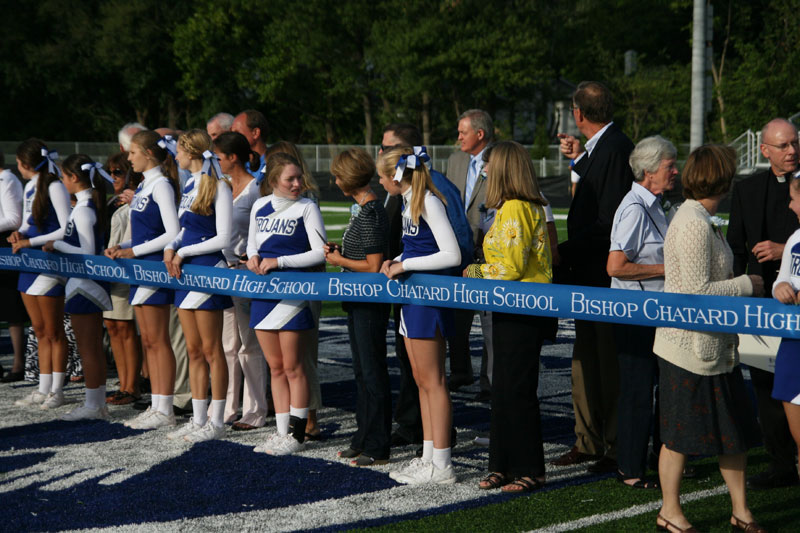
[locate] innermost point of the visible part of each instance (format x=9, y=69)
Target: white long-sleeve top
x=157, y=186
x=790, y=264
x=59, y=197
x=83, y=219
x=10, y=201
x=223, y=219
x=434, y=216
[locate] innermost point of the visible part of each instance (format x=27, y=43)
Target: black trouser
x=638, y=376
x=407, y=411
x=774, y=428
x=366, y=325
x=515, y=443
x=458, y=345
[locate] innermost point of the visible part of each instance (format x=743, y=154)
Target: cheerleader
x=86, y=299
x=154, y=224
x=429, y=244
x=44, y=218
x=787, y=364
x=242, y=352
x=287, y=234
x=13, y=312
x=205, y=214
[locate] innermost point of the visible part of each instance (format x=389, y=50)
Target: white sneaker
x=185, y=429
x=133, y=423
x=285, y=445
x=53, y=400
x=157, y=420
x=443, y=476
x=35, y=398
x=207, y=432
x=410, y=470
x=85, y=413
x=267, y=444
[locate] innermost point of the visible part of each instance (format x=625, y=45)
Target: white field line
x=630, y=512
x=334, y=209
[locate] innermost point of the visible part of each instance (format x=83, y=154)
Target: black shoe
x=483, y=396
x=603, y=466
x=456, y=382
x=141, y=405
x=13, y=377
x=772, y=480
x=400, y=440
x=180, y=411
x=453, y=440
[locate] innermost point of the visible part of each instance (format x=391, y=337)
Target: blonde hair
x=511, y=175
x=275, y=165
x=195, y=142
x=286, y=147
x=419, y=178
x=354, y=167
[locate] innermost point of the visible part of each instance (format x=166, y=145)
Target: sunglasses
x=117, y=172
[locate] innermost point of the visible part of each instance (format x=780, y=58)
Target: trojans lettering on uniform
x=409, y=228
x=69, y=228
x=795, y=263
x=139, y=203
x=276, y=226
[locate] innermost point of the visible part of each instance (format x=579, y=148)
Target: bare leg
x=271, y=346
x=198, y=369
x=117, y=350
x=793, y=416
x=154, y=325
x=427, y=356
x=89, y=337
x=209, y=325
x=133, y=355
x=52, y=309
x=17, y=334
x=292, y=351
x=732, y=467
x=670, y=473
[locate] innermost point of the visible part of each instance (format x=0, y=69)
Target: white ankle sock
x=441, y=457
x=165, y=404
x=427, y=451
x=155, y=399
x=282, y=422
x=200, y=411
x=58, y=381
x=218, y=413
x=96, y=398
x=45, y=383
x=299, y=412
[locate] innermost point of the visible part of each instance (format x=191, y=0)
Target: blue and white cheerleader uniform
x=83, y=236
x=201, y=240
x=154, y=223
x=53, y=230
x=293, y=232
x=429, y=246
x=786, y=387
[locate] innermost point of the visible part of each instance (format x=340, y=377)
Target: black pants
x=366, y=325
x=515, y=445
x=407, y=412
x=772, y=418
x=458, y=344
x=638, y=376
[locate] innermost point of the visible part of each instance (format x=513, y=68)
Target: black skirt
x=705, y=415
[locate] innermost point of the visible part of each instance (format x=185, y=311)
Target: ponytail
x=29, y=152
x=74, y=165
x=393, y=163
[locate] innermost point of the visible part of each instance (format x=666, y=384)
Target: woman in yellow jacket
x=516, y=248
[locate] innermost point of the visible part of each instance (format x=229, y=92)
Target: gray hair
x=649, y=153
x=127, y=132
x=479, y=120
x=225, y=120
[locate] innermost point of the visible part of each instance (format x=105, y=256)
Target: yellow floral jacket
x=516, y=247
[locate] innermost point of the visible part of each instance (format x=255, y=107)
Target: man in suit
x=760, y=224
x=465, y=170
x=605, y=178
x=407, y=411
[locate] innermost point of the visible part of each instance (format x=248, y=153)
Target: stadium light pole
x=699, y=62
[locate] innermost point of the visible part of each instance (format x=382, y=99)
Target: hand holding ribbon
x=210, y=160
x=94, y=168
x=411, y=161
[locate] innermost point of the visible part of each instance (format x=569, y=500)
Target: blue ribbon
x=49, y=158
x=210, y=160
x=261, y=173
x=758, y=316
x=419, y=156
x=168, y=143
x=94, y=168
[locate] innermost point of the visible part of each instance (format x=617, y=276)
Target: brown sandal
x=494, y=480
x=747, y=527
x=672, y=528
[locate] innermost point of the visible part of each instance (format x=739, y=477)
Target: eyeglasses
x=785, y=146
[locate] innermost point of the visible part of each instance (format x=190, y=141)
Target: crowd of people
x=223, y=198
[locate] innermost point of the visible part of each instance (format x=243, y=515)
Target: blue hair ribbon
x=50, y=159
x=93, y=169
x=412, y=161
x=168, y=143
x=210, y=160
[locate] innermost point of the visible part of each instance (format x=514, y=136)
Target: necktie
x=472, y=177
